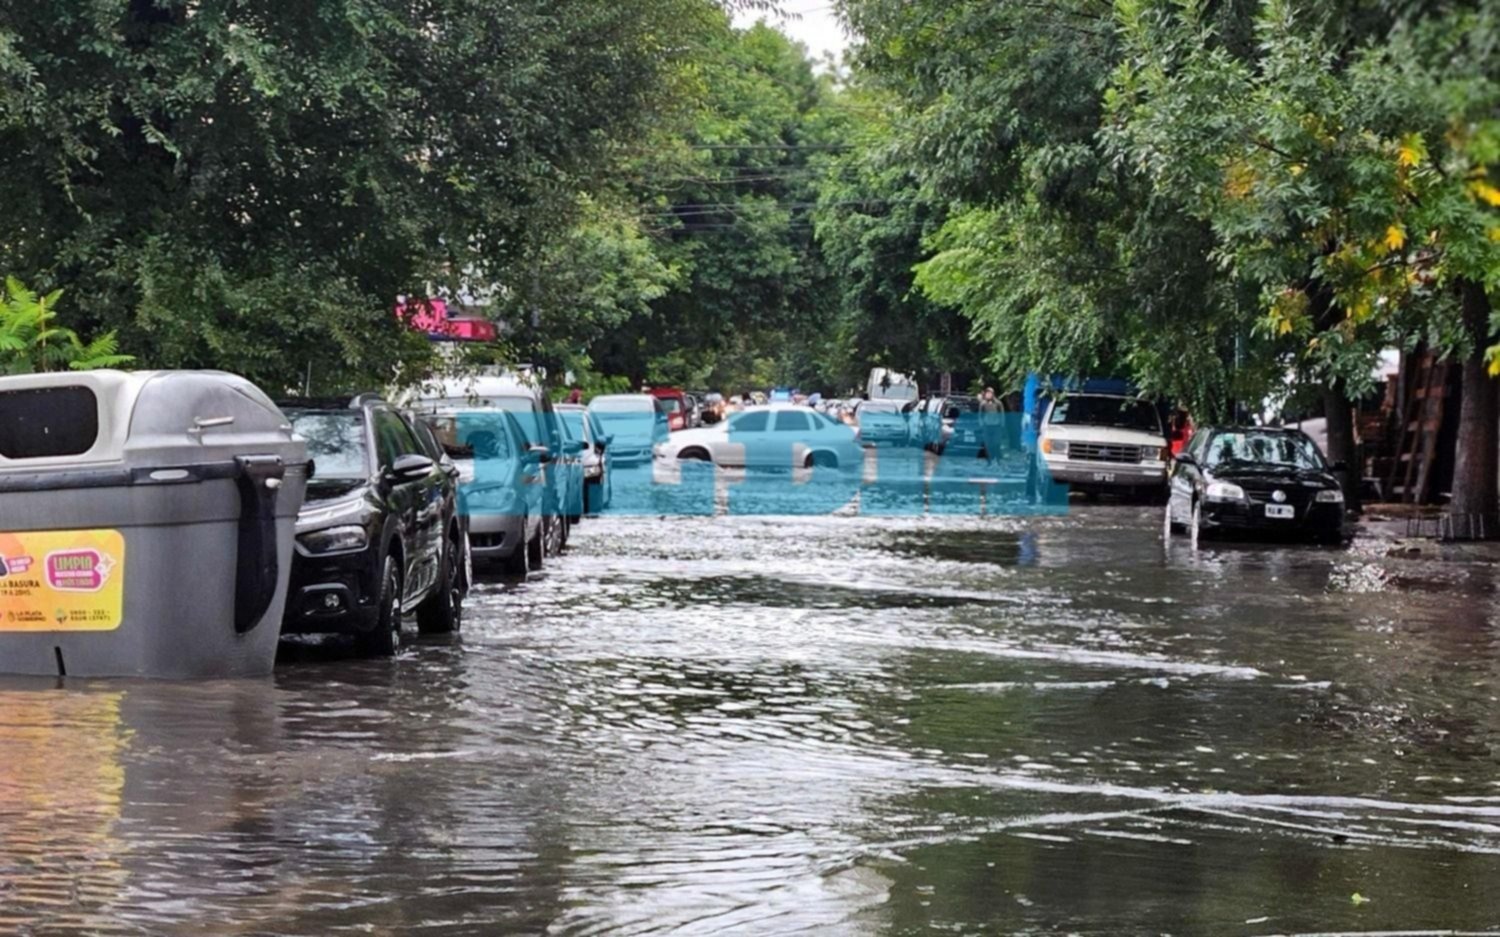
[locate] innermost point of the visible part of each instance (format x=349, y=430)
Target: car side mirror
x=1185, y=459
x=574, y=446
x=1339, y=466
x=606, y=440
x=539, y=453
x=410, y=467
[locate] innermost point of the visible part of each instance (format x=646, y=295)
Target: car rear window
x=48, y=422
x=609, y=406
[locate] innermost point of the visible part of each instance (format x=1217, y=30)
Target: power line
x=770, y=146
x=711, y=208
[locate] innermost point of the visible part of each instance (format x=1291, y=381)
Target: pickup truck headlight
x=1329, y=496
x=345, y=539
x=1055, y=446
x=1224, y=491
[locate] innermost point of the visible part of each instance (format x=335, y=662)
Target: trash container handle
x=70, y=479
x=257, y=566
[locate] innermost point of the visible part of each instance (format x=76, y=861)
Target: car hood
x=719, y=432
x=1312, y=478
x=322, y=492
x=1108, y=435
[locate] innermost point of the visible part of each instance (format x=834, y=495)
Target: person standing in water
x=991, y=425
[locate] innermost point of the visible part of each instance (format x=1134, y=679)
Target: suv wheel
x=536, y=552
x=443, y=611
x=554, y=535
x=517, y=563
x=385, y=638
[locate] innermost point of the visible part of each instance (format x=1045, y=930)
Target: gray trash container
x=146, y=523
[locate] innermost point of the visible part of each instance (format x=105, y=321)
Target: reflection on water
x=829, y=725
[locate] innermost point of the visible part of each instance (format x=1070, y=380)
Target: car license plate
x=1104, y=476
x=1283, y=511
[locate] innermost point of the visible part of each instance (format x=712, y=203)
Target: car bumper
x=1107, y=474
x=495, y=536
x=630, y=455
x=1313, y=520
x=331, y=595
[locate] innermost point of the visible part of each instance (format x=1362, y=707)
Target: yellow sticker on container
x=62, y=580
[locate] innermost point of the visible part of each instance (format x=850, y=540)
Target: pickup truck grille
x=1100, y=452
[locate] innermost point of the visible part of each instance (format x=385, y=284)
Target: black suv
x=379, y=534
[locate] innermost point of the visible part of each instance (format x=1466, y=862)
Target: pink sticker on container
x=84, y=570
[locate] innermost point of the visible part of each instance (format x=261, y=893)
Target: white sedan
x=786, y=437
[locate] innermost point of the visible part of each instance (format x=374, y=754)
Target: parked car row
x=407, y=500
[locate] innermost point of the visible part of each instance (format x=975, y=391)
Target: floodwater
x=834, y=725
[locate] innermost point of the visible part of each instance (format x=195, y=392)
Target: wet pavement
x=836, y=725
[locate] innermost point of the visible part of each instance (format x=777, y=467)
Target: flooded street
x=834, y=725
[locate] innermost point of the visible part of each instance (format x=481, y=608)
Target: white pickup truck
x=1104, y=442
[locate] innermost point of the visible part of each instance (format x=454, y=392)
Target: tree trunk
x=1476, y=465
x=1340, y=415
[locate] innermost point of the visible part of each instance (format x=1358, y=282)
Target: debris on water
x=1358, y=899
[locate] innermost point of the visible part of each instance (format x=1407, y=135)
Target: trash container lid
x=87, y=418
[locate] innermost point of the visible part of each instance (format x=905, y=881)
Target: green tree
x=727, y=193
x=872, y=219
x=32, y=340
x=251, y=184
x=1061, y=258
x=1348, y=186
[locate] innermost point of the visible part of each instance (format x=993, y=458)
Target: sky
x=810, y=22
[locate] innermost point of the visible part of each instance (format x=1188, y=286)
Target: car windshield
x=335, y=441
x=607, y=408
x=670, y=404
x=1272, y=450
x=573, y=421
x=1115, y=412
x=517, y=403
x=882, y=407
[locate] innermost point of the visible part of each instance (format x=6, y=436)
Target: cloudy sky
x=810, y=22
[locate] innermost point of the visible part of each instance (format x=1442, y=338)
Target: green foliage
x=1346, y=185
x=1198, y=195
x=1060, y=258
x=251, y=184
x=31, y=340
x=726, y=193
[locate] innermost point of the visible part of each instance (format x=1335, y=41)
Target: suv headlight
x=1156, y=453
x=346, y=539
x=489, y=499
x=1224, y=491
x=1329, y=496
x=1055, y=446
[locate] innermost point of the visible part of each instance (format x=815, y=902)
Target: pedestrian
x=991, y=425
x=575, y=395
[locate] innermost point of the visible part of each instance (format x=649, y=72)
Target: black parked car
x=379, y=534
x=1254, y=480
